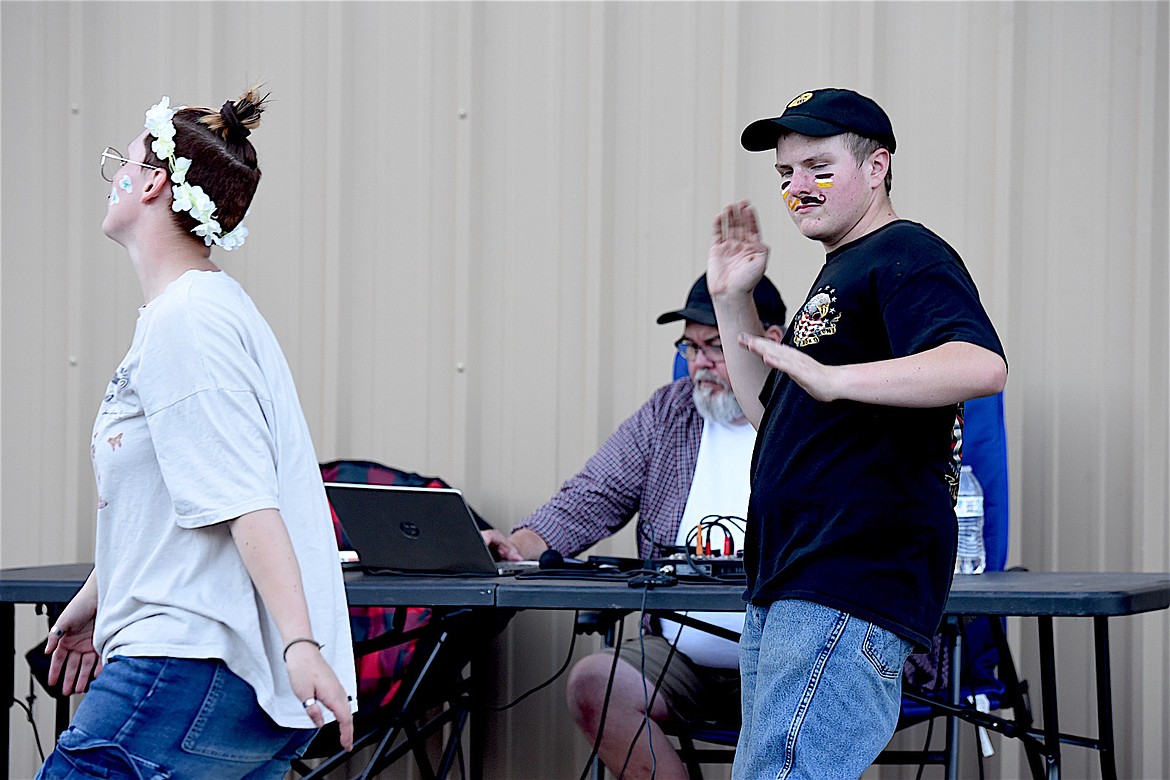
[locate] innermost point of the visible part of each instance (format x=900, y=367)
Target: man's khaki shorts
x=693, y=692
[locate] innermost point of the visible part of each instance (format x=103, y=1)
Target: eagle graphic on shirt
x=818, y=318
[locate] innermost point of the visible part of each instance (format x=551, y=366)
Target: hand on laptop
x=523, y=545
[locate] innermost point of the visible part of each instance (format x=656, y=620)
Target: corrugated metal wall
x=472, y=212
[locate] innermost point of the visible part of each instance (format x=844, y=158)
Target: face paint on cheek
x=114, y=195
x=124, y=183
x=824, y=180
x=789, y=200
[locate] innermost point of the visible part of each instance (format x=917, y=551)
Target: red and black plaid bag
x=379, y=674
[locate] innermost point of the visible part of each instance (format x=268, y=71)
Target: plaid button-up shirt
x=644, y=468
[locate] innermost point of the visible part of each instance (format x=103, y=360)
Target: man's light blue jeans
x=172, y=719
x=821, y=692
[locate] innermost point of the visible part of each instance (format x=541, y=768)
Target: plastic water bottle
x=971, y=556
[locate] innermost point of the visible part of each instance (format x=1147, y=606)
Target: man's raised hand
x=738, y=257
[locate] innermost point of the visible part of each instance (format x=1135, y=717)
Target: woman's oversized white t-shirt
x=201, y=424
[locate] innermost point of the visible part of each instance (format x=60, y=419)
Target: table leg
x=1104, y=699
x=8, y=681
x=1048, y=688
x=478, y=714
x=956, y=694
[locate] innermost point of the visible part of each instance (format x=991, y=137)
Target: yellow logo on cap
x=800, y=99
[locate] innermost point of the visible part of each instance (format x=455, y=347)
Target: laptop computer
x=413, y=529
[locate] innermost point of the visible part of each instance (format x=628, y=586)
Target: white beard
x=715, y=405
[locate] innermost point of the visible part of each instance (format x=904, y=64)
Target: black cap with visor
x=700, y=309
x=821, y=113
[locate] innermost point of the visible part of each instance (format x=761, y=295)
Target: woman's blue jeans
x=821, y=692
x=183, y=719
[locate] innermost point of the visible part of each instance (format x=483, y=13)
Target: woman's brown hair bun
x=237, y=119
x=232, y=124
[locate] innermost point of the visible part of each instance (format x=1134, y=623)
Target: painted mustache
x=823, y=181
x=808, y=200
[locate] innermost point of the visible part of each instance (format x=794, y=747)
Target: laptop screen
x=410, y=529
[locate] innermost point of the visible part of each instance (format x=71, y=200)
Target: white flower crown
x=160, y=123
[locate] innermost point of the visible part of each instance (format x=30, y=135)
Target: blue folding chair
x=986, y=666
x=985, y=450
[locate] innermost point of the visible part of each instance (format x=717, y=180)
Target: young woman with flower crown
x=216, y=612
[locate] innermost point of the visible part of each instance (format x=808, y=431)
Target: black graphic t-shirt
x=850, y=506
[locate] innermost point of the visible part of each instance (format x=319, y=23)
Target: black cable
x=36, y=734
x=737, y=521
x=634, y=577
x=546, y=683
x=445, y=574
x=698, y=574
x=647, y=535
x=605, y=702
x=642, y=532
x=653, y=696
x=716, y=521
x=727, y=535
x=585, y=575
x=645, y=698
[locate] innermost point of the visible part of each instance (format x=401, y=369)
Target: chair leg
x=414, y=743
x=1018, y=699
x=687, y=753
x=327, y=764
x=454, y=748
x=419, y=748
x=373, y=765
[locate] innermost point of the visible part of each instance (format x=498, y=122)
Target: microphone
x=552, y=559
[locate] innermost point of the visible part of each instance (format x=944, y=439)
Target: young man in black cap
x=851, y=531
x=684, y=455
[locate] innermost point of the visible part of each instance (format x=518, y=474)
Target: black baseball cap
x=699, y=308
x=821, y=113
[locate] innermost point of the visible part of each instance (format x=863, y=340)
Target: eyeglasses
x=112, y=160
x=690, y=350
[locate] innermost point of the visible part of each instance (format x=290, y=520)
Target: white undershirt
x=721, y=486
